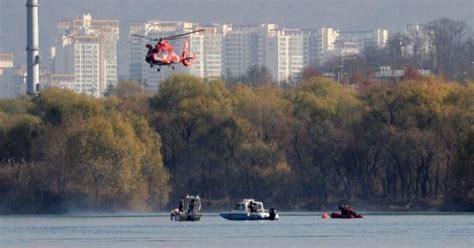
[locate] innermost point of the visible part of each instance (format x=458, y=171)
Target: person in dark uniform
x=344, y=211
x=181, y=205
x=347, y=211
x=191, y=206
x=251, y=208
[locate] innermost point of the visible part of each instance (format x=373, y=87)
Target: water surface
x=292, y=230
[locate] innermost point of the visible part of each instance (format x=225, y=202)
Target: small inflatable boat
x=340, y=216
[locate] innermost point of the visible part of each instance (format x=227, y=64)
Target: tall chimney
x=32, y=46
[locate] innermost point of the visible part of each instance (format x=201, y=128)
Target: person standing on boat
x=251, y=210
x=191, y=206
x=181, y=205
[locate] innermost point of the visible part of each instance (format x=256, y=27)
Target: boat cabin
x=192, y=204
x=189, y=209
x=249, y=209
x=250, y=206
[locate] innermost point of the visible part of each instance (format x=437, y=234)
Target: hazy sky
x=343, y=14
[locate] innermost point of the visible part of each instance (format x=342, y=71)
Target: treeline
x=309, y=146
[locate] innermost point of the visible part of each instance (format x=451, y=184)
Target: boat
x=249, y=209
x=340, y=216
x=189, y=209
x=346, y=213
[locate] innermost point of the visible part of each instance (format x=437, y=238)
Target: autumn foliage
x=310, y=146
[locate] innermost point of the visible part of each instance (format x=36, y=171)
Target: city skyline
x=227, y=51
x=85, y=55
x=224, y=51
x=344, y=15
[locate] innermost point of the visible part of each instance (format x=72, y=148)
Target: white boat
x=249, y=209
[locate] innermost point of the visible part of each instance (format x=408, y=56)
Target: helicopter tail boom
x=186, y=59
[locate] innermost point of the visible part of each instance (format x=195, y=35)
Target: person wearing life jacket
x=347, y=211
x=343, y=210
x=150, y=56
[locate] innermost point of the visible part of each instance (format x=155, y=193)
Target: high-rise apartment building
x=333, y=42
x=310, y=47
x=87, y=49
x=241, y=48
x=207, y=46
x=283, y=52
x=326, y=43
x=364, y=39
x=12, y=79
x=7, y=81
x=6, y=61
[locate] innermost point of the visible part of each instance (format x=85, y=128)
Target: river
x=292, y=230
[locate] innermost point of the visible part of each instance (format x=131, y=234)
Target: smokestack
x=32, y=46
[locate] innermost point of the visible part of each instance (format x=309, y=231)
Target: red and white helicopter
x=163, y=54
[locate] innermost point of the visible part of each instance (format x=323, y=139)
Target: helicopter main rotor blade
x=181, y=35
x=144, y=37
x=177, y=38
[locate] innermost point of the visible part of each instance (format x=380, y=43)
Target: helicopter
x=162, y=54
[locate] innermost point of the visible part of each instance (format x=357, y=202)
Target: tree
x=464, y=171
x=411, y=73
x=126, y=89
x=447, y=38
x=396, y=47
x=310, y=71
x=309, y=146
x=258, y=76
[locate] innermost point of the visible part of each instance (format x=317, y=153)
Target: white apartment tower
x=333, y=42
x=6, y=61
x=7, y=82
x=376, y=38
x=272, y=50
x=242, y=48
x=280, y=50
x=310, y=46
x=207, y=46
x=283, y=52
x=382, y=37
x=291, y=57
x=326, y=43
x=87, y=49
